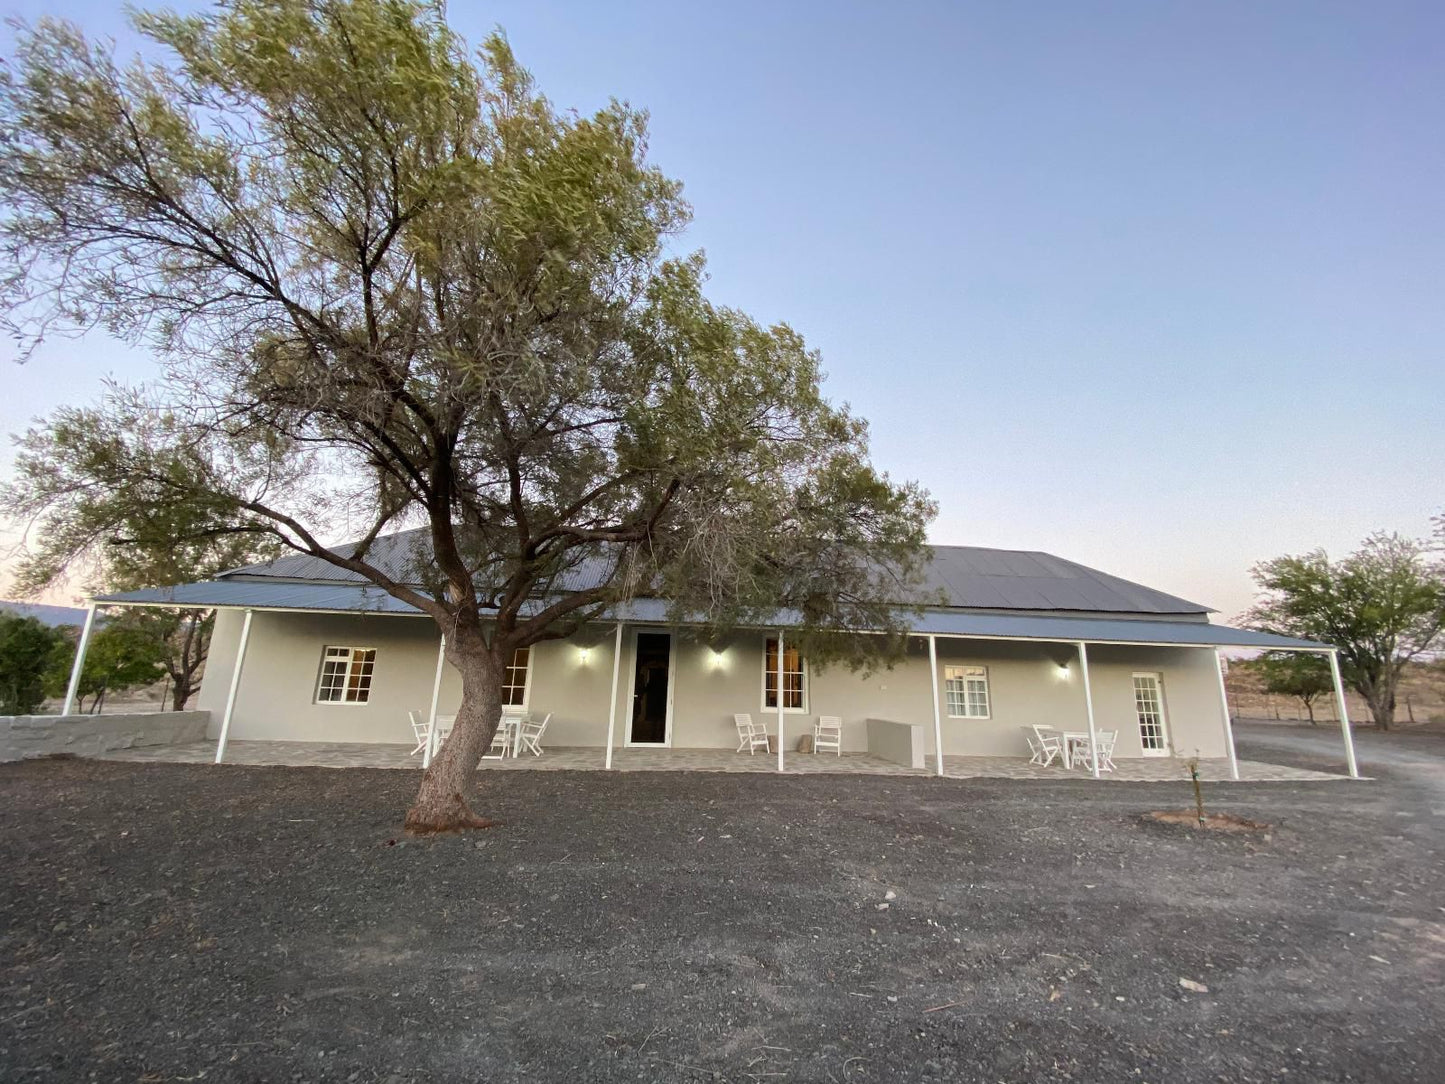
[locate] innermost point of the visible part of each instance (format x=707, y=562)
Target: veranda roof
x=239, y=594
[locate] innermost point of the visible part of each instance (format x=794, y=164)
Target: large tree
x=1382, y=606
x=393, y=286
x=120, y=538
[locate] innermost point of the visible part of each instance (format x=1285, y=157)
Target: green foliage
x=1382, y=606
x=123, y=654
x=26, y=648
x=1291, y=673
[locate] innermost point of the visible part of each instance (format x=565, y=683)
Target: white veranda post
x=235, y=685
x=79, y=664
x=1228, y=722
x=1089, y=708
x=780, y=699
x=612, y=704
x=937, y=717
x=431, y=719
x=1344, y=715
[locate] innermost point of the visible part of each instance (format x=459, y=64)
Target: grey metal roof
x=988, y=579
x=972, y=577
x=345, y=598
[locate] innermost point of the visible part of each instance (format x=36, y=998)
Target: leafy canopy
x=26, y=647
x=394, y=286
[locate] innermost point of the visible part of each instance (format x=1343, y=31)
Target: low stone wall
x=23, y=736
x=902, y=743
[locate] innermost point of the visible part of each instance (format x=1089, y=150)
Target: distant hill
x=54, y=616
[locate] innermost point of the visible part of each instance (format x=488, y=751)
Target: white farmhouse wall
x=571, y=680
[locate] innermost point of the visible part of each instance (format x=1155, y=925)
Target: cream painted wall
x=276, y=700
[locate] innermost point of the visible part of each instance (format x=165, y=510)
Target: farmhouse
x=1012, y=639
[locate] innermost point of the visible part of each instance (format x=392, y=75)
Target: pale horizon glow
x=1151, y=286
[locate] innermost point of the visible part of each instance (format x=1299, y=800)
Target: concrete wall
x=571, y=680
x=902, y=743
x=24, y=736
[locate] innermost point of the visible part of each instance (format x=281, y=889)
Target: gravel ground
x=177, y=922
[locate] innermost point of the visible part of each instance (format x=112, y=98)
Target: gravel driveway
x=177, y=922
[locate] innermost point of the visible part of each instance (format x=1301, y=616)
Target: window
x=345, y=675
x=514, y=681
x=1149, y=709
x=795, y=677
x=965, y=688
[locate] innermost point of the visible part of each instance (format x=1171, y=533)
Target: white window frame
x=1158, y=679
x=531, y=651
x=766, y=671
x=351, y=653
x=965, y=672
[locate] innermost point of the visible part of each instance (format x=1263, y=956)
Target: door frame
x=666, y=742
x=1164, y=733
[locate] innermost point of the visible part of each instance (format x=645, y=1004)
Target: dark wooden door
x=649, y=688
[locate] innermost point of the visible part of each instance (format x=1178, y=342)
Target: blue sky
x=1154, y=286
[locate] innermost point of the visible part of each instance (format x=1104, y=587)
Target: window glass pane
x=965, y=692
x=794, y=676
x=345, y=675
x=514, y=682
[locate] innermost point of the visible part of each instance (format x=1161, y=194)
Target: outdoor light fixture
x=717, y=659
x=582, y=653
x=1062, y=671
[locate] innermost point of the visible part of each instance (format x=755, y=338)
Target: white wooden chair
x=501, y=746
x=751, y=736
x=1045, y=745
x=529, y=737
x=421, y=728
x=1104, y=741
x=828, y=734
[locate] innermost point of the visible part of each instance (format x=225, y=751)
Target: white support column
x=612, y=706
x=780, y=699
x=937, y=717
x=235, y=684
x=1228, y=722
x=1089, y=707
x=436, y=692
x=1344, y=715
x=79, y=664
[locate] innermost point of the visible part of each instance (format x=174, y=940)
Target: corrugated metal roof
x=344, y=598
x=972, y=577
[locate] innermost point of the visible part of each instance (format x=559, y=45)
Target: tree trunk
x=181, y=693
x=1310, y=707
x=443, y=804
x=1382, y=709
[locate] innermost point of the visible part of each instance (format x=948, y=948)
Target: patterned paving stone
x=363, y=755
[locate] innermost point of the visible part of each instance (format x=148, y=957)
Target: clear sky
x=1154, y=286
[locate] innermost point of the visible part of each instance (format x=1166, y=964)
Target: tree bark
x=1382, y=709
x=180, y=692
x=443, y=804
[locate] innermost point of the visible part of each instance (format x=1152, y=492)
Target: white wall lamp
x=583, y=654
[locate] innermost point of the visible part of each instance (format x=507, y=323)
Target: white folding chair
x=828, y=734
x=501, y=746
x=1045, y=745
x=751, y=736
x=421, y=728
x=1104, y=743
x=529, y=737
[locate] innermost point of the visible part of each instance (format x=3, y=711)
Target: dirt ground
x=178, y=922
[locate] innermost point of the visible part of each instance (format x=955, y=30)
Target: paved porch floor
x=366, y=755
